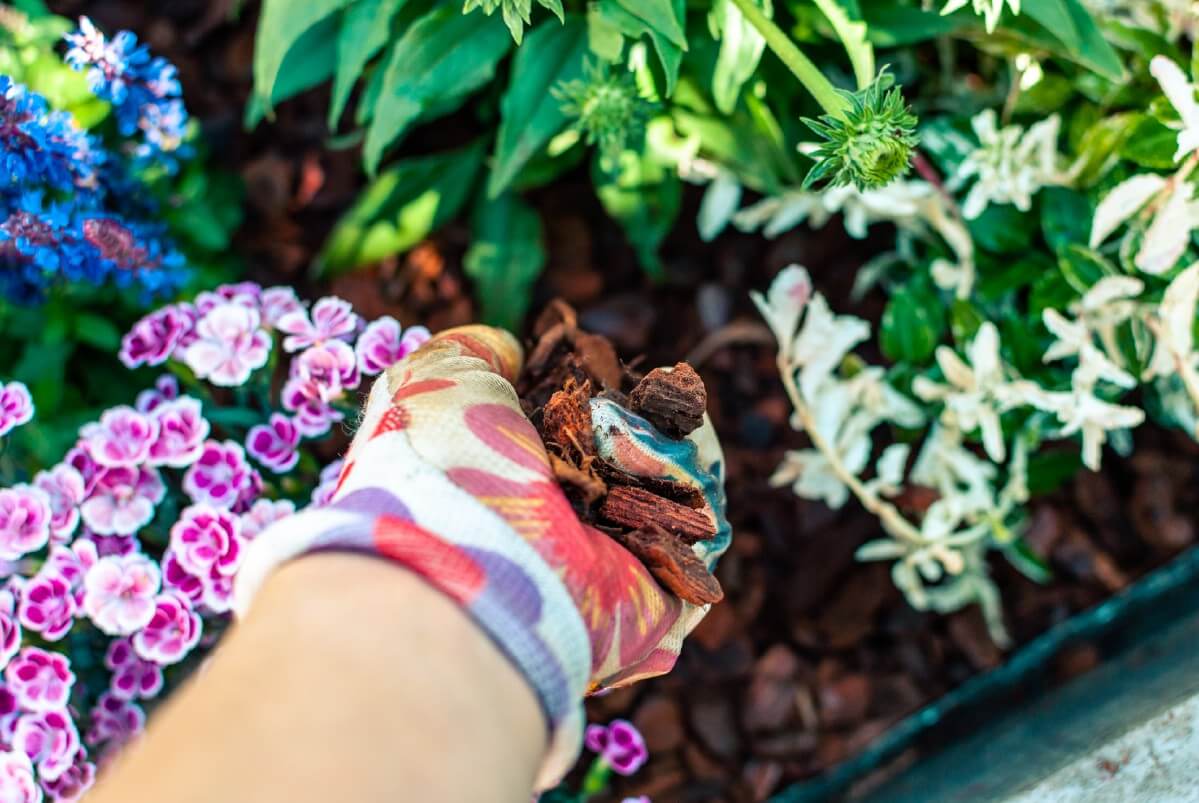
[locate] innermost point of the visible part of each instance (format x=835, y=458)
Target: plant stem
x=596, y=779
x=892, y=519
x=808, y=74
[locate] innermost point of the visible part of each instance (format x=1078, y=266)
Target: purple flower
x=219, y=476
x=619, y=744
x=119, y=593
x=154, y=338
x=172, y=632
x=274, y=445
x=66, y=490
x=121, y=439
x=166, y=388
x=332, y=318
x=263, y=514
x=381, y=345
x=16, y=778
x=50, y=739
x=47, y=605
x=123, y=500
x=16, y=406
x=132, y=675
x=230, y=345
x=72, y=563
x=74, y=782
x=638, y=799
x=115, y=720
x=40, y=680
x=245, y=294
x=277, y=302
x=24, y=521
x=330, y=474
x=10, y=631
x=207, y=540
x=178, y=579
x=181, y=433
x=79, y=459
x=329, y=367
x=313, y=415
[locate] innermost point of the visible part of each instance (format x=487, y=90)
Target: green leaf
x=741, y=48
x=1065, y=217
x=1027, y=562
x=912, y=325
x=1070, y=24
x=428, y=65
x=280, y=29
x=1082, y=267
x=965, y=319
x=890, y=24
x=1050, y=469
x=853, y=35
x=401, y=207
x=1002, y=228
x=529, y=114
x=1101, y=144
x=504, y=259
x=308, y=63
x=365, y=28
x=1150, y=144
x=608, y=22
x=661, y=16
x=644, y=197
x=97, y=330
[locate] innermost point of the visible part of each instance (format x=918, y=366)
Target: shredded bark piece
x=637, y=509
x=673, y=400
x=673, y=564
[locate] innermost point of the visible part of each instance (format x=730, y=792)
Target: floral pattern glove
x=447, y=477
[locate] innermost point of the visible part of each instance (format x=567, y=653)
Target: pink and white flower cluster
x=133, y=541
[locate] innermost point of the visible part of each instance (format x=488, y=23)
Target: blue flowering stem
x=832, y=101
x=596, y=779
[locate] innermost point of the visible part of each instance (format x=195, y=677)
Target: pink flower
x=230, y=345
x=638, y=799
x=263, y=514
x=66, y=490
x=172, y=632
x=132, y=676
x=154, y=338
x=274, y=445
x=17, y=784
x=181, y=433
x=24, y=521
x=247, y=294
x=10, y=709
x=207, y=540
x=119, y=593
x=10, y=631
x=330, y=474
x=16, y=406
x=219, y=475
x=121, y=439
x=178, y=579
x=79, y=459
x=40, y=680
x=166, y=388
x=74, y=782
x=313, y=415
x=330, y=367
x=123, y=500
x=381, y=346
x=115, y=720
x=50, y=739
x=277, y=302
x=332, y=318
x=72, y=563
x=105, y=545
x=619, y=744
x=47, y=605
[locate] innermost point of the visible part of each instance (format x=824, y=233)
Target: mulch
x=811, y=656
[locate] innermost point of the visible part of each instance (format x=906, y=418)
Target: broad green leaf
x=365, y=28
x=1083, y=267
x=1027, y=562
x=1150, y=144
x=1065, y=218
x=1050, y=469
x=402, y=206
x=965, y=319
x=1055, y=16
x=504, y=259
x=1002, y=229
x=661, y=16
x=529, y=114
x=853, y=35
x=1100, y=146
x=644, y=197
x=429, y=64
x=280, y=29
x=912, y=325
x=307, y=64
x=1079, y=40
x=890, y=24
x=98, y=331
x=608, y=18
x=741, y=48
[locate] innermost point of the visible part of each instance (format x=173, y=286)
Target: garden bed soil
x=811, y=656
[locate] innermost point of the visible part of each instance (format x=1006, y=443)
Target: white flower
x=784, y=302
x=823, y=341
x=888, y=476
x=718, y=205
x=1175, y=317
x=989, y=10
x=1181, y=94
x=1125, y=200
x=1168, y=234
x=1010, y=164
x=1073, y=338
x=955, y=472
x=1080, y=411
x=977, y=392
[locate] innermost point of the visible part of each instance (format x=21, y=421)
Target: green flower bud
x=608, y=110
x=868, y=145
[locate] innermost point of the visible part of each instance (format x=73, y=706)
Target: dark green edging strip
x=1029, y=661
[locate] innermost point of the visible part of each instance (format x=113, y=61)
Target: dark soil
x=811, y=656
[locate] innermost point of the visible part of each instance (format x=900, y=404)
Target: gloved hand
x=447, y=477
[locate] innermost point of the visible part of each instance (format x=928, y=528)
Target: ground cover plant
x=959, y=407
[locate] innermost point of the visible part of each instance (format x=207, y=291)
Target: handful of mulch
x=656, y=519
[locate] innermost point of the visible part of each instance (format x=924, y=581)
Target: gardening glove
x=447, y=477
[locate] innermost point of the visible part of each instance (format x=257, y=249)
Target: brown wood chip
x=672, y=400
x=639, y=509
x=673, y=564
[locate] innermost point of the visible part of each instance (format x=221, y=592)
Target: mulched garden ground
x=812, y=655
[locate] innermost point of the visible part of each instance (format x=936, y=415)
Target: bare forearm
x=350, y=679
